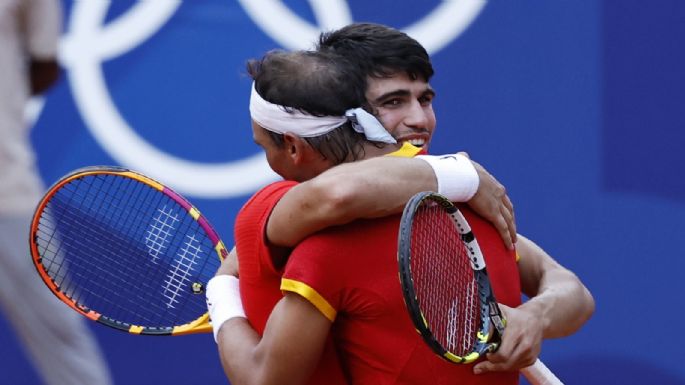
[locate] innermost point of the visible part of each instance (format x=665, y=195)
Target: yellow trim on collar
x=406, y=151
x=311, y=295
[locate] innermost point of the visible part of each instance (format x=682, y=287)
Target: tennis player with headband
x=235, y=363
x=300, y=158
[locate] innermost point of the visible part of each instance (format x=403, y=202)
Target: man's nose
x=417, y=116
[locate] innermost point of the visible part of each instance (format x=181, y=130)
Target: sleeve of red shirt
x=311, y=273
x=250, y=227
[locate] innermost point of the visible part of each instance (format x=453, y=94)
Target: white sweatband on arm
x=456, y=175
x=223, y=300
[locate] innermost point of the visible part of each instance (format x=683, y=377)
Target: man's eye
x=426, y=100
x=392, y=102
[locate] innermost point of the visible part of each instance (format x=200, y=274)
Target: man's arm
x=556, y=294
x=374, y=188
x=559, y=305
x=229, y=266
x=492, y=203
x=288, y=352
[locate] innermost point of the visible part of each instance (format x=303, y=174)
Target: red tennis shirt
x=350, y=274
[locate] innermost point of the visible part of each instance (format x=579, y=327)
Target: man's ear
x=298, y=148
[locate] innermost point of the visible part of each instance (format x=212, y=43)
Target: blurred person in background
x=60, y=346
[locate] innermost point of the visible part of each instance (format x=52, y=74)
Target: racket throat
x=497, y=319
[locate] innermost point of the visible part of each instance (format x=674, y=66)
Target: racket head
x=443, y=278
x=124, y=250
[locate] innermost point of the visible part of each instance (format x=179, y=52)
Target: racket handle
x=539, y=374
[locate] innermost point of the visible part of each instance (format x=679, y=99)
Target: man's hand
x=492, y=203
x=229, y=266
x=521, y=342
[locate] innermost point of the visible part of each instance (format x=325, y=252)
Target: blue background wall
x=577, y=107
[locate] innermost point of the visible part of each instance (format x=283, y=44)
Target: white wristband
x=223, y=300
x=456, y=175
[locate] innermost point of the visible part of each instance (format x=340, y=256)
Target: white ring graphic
x=86, y=47
x=437, y=29
x=88, y=44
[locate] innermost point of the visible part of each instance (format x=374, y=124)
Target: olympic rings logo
x=88, y=43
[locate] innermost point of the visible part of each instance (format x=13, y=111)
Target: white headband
x=276, y=119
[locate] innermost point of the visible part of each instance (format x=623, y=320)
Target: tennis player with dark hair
x=391, y=60
x=261, y=260
x=540, y=269
x=247, y=360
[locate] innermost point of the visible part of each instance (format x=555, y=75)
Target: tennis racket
x=446, y=286
x=126, y=251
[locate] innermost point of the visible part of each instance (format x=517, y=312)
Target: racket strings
x=178, y=277
x=445, y=286
x=160, y=230
x=63, y=207
x=105, y=281
x=76, y=218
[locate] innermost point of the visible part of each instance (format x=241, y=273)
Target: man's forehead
x=377, y=86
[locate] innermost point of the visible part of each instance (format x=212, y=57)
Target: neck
x=372, y=150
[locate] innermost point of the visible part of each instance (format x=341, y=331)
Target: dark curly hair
x=378, y=50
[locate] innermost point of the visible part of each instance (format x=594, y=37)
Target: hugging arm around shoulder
x=369, y=188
